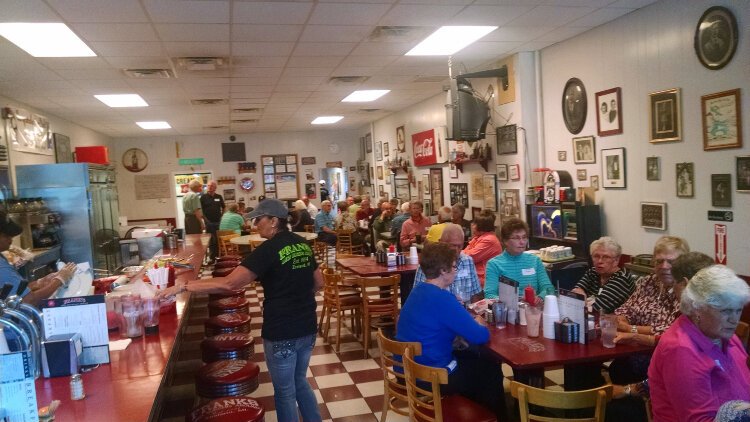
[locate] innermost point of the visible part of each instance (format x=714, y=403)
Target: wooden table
x=365, y=266
x=530, y=356
x=254, y=239
x=126, y=389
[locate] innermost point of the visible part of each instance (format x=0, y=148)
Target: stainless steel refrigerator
x=85, y=195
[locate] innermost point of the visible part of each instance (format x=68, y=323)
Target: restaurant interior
x=583, y=118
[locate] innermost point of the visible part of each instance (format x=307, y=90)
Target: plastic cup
x=500, y=313
x=608, y=324
x=151, y=311
x=533, y=321
x=132, y=315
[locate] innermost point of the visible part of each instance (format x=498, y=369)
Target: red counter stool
x=227, y=378
x=227, y=323
x=228, y=409
x=232, y=293
x=222, y=272
x=237, y=258
x=228, y=305
x=227, y=346
x=226, y=264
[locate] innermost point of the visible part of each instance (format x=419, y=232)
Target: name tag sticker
x=217, y=200
x=528, y=271
x=452, y=365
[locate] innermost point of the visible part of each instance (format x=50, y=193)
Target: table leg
x=532, y=377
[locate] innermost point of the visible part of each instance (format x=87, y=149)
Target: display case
x=566, y=224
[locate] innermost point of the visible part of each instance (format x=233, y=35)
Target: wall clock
x=134, y=160
x=334, y=148
x=247, y=184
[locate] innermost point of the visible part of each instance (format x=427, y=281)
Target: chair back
x=380, y=295
x=220, y=233
x=743, y=332
x=226, y=247
x=344, y=243
x=320, y=250
x=395, y=381
x=526, y=395
x=424, y=405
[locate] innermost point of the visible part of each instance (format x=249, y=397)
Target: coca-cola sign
x=428, y=147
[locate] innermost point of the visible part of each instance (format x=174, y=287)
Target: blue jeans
x=288, y=361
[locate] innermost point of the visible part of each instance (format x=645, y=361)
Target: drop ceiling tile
x=193, y=32
x=420, y=15
x=271, y=13
x=114, y=31
x=187, y=11
x=368, y=61
x=632, y=3
x=489, y=15
x=322, y=49
x=27, y=11
x=262, y=48
x=517, y=33
x=123, y=49
x=554, y=16
x=600, y=17
x=263, y=33
x=302, y=80
x=103, y=11
x=314, y=61
x=335, y=33
x=561, y=34
x=250, y=72
x=382, y=48
x=354, y=14
x=314, y=71
x=258, y=61
x=197, y=49
x=238, y=82
x=356, y=71
x=138, y=62
x=90, y=74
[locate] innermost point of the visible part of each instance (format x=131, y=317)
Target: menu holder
x=17, y=391
x=86, y=315
x=573, y=306
x=508, y=293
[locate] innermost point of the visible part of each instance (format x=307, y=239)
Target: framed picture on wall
x=452, y=171
x=722, y=120
x=613, y=163
x=426, y=186
x=609, y=112
x=475, y=211
x=574, y=105
x=653, y=168
x=401, y=139
x=515, y=171
x=685, y=180
x=436, y=187
x=584, y=151
x=502, y=172
x=562, y=155
x=721, y=190
x=506, y=139
x=743, y=173
x=594, y=182
x=378, y=151
x=427, y=207
x=459, y=194
x=368, y=143
x=664, y=119
x=654, y=215
x=385, y=149
x=490, y=191
x=716, y=37
x=380, y=172
x=581, y=174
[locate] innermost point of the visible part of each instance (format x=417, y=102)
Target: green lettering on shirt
x=299, y=252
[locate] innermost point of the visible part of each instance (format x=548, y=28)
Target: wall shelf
x=482, y=161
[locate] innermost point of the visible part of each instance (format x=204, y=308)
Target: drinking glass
x=151, y=311
x=608, y=324
x=533, y=320
x=500, y=312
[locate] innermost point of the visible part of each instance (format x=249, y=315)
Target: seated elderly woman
x=299, y=216
x=484, y=243
x=605, y=282
x=232, y=220
x=433, y=317
x=699, y=363
x=513, y=263
x=345, y=221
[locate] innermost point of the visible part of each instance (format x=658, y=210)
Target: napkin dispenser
x=567, y=331
x=61, y=354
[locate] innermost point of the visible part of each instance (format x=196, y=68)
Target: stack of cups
x=551, y=315
x=413, y=257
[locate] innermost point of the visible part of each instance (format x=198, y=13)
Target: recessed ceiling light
x=449, y=39
x=154, y=125
x=45, y=39
x=364, y=96
x=122, y=100
x=326, y=120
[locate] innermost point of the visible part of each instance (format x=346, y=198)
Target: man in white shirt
x=311, y=208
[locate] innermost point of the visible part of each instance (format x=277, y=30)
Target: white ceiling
x=281, y=55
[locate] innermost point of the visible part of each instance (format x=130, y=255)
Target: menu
x=508, y=293
x=573, y=306
x=17, y=392
x=86, y=315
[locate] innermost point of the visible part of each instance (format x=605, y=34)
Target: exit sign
x=190, y=161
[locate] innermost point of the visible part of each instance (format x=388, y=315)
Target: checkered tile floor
x=348, y=387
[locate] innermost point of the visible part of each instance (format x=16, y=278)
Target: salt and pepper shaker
x=76, y=387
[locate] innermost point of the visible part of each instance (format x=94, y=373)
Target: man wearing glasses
x=324, y=224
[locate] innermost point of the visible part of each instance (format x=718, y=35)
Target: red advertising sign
x=425, y=148
x=720, y=243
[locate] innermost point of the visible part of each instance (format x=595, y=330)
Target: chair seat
x=458, y=408
x=350, y=300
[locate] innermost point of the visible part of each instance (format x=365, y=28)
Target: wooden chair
x=320, y=250
x=226, y=247
x=394, y=382
x=220, y=233
x=379, y=304
x=334, y=300
x=429, y=405
x=596, y=398
x=344, y=243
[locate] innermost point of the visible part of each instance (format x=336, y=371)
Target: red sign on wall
x=425, y=148
x=720, y=243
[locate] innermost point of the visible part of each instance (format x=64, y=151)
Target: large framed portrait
x=583, y=150
x=506, y=140
x=721, y=190
x=685, y=180
x=609, y=115
x=722, y=120
x=614, y=174
x=665, y=120
x=743, y=173
x=654, y=215
x=716, y=37
x=574, y=105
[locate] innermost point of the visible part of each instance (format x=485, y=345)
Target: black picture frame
x=721, y=190
x=653, y=169
x=507, y=140
x=716, y=37
x=742, y=164
x=574, y=105
x=614, y=169
x=685, y=180
x=459, y=194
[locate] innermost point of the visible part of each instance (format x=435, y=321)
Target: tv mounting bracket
x=501, y=73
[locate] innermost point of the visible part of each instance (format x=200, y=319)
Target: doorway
x=337, y=182
x=181, y=181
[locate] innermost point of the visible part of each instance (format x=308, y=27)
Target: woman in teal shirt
x=526, y=269
x=231, y=220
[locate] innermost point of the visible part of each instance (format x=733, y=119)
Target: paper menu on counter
x=507, y=292
x=573, y=306
x=17, y=390
x=86, y=315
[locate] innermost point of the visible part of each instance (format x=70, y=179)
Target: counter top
x=126, y=388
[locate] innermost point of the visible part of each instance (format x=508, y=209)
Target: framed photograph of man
x=401, y=139
x=743, y=173
x=653, y=168
x=654, y=215
x=716, y=36
x=609, y=112
x=722, y=120
x=502, y=172
x=584, y=151
x=721, y=190
x=613, y=171
x=506, y=140
x=685, y=180
x=665, y=120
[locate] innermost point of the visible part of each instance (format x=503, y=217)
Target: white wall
x=162, y=156
x=643, y=52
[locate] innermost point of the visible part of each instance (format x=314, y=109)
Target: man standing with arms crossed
x=213, y=207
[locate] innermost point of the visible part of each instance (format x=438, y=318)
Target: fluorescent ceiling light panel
x=122, y=100
x=326, y=120
x=366, y=95
x=45, y=39
x=449, y=40
x=154, y=125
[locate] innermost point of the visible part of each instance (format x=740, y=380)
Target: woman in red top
x=484, y=244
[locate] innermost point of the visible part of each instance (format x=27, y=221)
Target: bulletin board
x=280, y=176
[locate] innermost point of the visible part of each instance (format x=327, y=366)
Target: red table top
x=520, y=351
x=125, y=389
x=367, y=267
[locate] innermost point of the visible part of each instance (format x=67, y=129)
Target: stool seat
x=227, y=346
x=228, y=305
x=237, y=377
x=222, y=272
x=228, y=409
x=232, y=293
x=238, y=322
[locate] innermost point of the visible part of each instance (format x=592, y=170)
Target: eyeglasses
x=660, y=261
x=518, y=238
x=455, y=266
x=602, y=257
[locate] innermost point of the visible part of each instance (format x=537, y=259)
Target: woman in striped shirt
x=605, y=284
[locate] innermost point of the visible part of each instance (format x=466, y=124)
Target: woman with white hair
x=699, y=363
x=606, y=284
x=299, y=216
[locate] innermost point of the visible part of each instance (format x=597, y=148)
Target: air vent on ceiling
x=347, y=80
x=430, y=78
x=393, y=33
x=244, y=120
x=148, y=73
x=215, y=127
x=247, y=110
x=209, y=101
x=369, y=110
x=202, y=64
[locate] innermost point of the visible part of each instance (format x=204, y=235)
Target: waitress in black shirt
x=287, y=270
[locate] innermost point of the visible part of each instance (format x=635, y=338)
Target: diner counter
x=126, y=388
